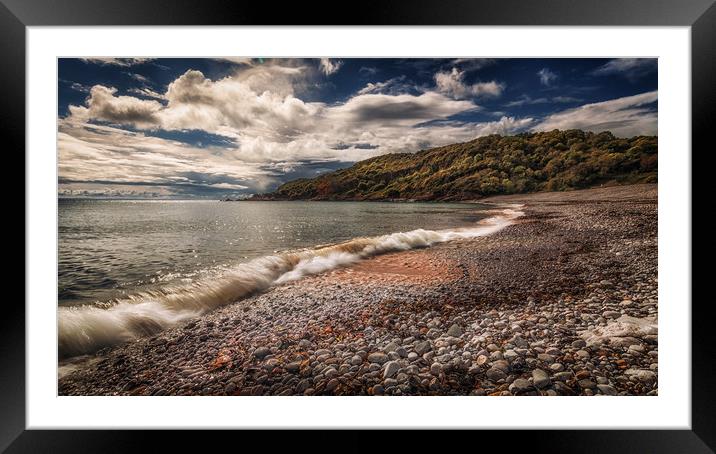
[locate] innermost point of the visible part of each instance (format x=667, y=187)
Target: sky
x=227, y=127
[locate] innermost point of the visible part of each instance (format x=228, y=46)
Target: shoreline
x=562, y=302
x=85, y=329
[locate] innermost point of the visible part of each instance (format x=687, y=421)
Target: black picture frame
x=700, y=15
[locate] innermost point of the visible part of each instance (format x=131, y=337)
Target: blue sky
x=216, y=127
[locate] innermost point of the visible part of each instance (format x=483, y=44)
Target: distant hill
x=529, y=162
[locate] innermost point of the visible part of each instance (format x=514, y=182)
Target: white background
x=670, y=409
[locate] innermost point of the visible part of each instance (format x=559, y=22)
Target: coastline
x=562, y=302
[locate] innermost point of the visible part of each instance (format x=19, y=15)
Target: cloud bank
x=254, y=128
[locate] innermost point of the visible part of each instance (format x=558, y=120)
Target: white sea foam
x=85, y=329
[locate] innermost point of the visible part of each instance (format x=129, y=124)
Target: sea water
x=128, y=268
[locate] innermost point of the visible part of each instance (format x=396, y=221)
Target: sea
x=131, y=268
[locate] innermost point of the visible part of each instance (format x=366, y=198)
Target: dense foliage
x=528, y=162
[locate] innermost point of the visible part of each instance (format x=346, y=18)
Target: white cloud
x=275, y=121
x=631, y=68
x=146, y=92
x=80, y=87
x=395, y=86
x=473, y=64
x=565, y=99
x=138, y=77
x=368, y=70
x=328, y=67
x=452, y=84
x=96, y=154
x=397, y=110
x=528, y=100
x=117, y=61
x=624, y=117
x=102, y=104
x=236, y=60
x=546, y=77
x=504, y=126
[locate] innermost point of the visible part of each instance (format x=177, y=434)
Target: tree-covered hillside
x=528, y=162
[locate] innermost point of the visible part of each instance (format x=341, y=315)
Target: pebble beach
x=562, y=302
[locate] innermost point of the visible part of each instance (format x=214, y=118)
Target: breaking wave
x=86, y=329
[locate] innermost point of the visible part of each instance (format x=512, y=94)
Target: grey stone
x=607, y=390
x=378, y=357
x=579, y=343
x=520, y=385
x=636, y=348
x=562, y=376
x=545, y=358
x=583, y=354
x=262, y=352
x=540, y=378
x=390, y=369
x=643, y=375
x=519, y=341
x=454, y=331
x=495, y=374
x=304, y=343
x=436, y=368
x=502, y=365
x=422, y=347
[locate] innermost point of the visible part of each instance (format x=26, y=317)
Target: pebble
x=520, y=385
x=378, y=357
x=545, y=358
x=262, y=352
x=454, y=331
x=562, y=376
x=540, y=378
x=436, y=368
x=495, y=374
x=646, y=376
x=422, y=347
x=332, y=384
x=607, y=390
x=390, y=369
x=583, y=354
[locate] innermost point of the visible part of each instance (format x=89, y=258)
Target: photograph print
x=354, y=226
